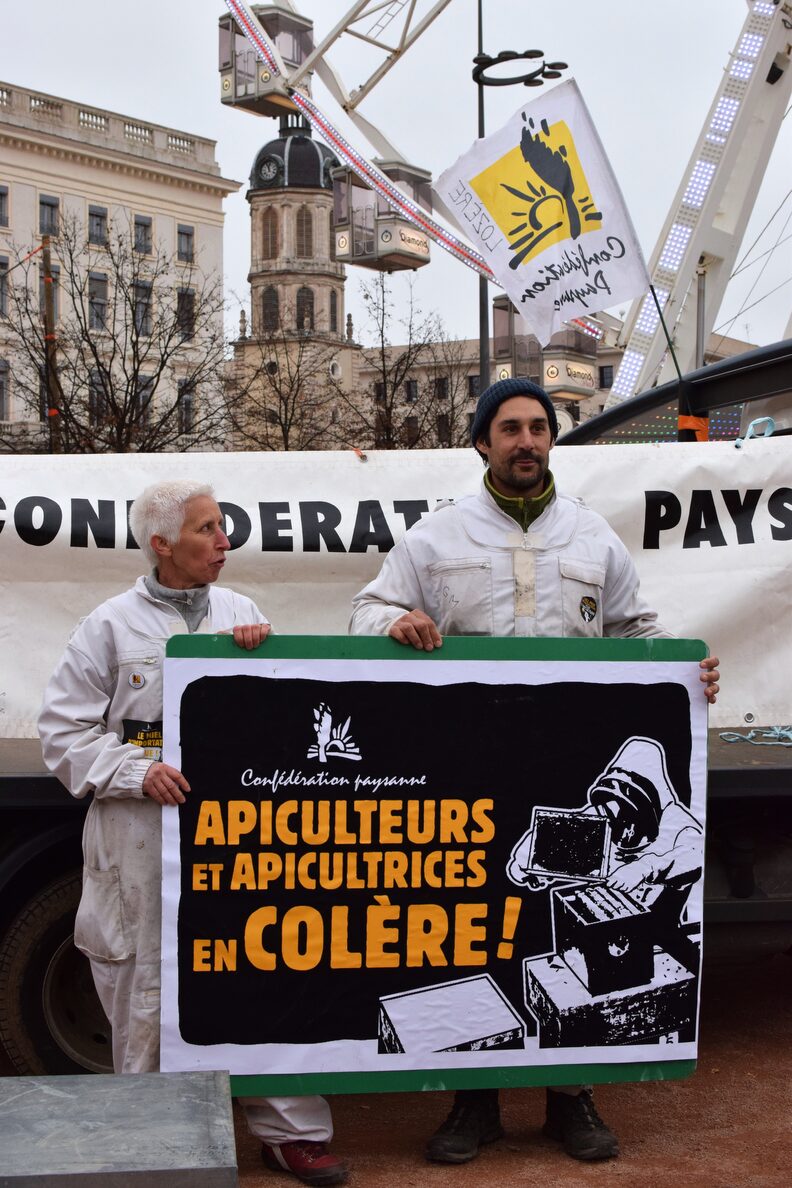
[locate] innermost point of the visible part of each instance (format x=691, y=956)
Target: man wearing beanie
x=516, y=559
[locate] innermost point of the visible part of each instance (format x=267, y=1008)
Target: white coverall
x=472, y=569
x=107, y=687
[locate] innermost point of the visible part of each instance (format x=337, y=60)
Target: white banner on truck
x=709, y=528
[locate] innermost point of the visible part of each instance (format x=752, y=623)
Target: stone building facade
x=64, y=161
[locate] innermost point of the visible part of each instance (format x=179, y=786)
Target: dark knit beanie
x=493, y=397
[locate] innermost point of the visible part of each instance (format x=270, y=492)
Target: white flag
x=540, y=202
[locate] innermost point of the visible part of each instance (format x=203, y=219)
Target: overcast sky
x=648, y=73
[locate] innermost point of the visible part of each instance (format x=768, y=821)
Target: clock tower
x=296, y=284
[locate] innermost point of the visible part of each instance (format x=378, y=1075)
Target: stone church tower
x=295, y=282
x=295, y=361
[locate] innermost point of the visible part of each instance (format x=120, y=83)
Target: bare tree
x=137, y=357
x=282, y=391
x=394, y=408
x=450, y=398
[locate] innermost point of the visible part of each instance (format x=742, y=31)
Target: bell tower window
x=270, y=311
x=304, y=233
x=305, y=309
x=269, y=234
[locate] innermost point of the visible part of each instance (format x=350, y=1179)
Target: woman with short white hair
x=101, y=735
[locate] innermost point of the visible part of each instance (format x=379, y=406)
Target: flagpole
x=530, y=78
x=484, y=351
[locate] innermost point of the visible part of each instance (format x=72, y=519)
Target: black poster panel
x=348, y=843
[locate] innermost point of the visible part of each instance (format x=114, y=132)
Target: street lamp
x=533, y=77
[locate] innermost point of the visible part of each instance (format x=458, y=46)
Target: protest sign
x=539, y=200
x=397, y=870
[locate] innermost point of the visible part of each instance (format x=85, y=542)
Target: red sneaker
x=310, y=1162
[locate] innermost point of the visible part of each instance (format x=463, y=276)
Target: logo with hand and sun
x=332, y=742
x=537, y=193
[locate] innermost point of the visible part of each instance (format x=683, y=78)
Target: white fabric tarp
x=709, y=527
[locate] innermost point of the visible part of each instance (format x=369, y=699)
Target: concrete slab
x=155, y=1130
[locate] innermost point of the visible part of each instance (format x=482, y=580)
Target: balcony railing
x=76, y=121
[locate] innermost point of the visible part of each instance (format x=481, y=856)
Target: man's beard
x=523, y=482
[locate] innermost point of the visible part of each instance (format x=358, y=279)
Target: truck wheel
x=51, y=1020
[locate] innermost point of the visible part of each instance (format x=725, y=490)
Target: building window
x=3, y=206
x=97, y=301
x=5, y=392
x=411, y=430
x=141, y=402
x=331, y=227
x=473, y=386
x=143, y=234
x=441, y=387
x=185, y=243
x=48, y=214
x=411, y=391
x=333, y=312
x=97, y=400
x=269, y=234
x=3, y=286
x=379, y=392
x=444, y=429
x=97, y=225
x=55, y=274
x=141, y=301
x=304, y=233
x=270, y=309
x=606, y=376
x=470, y=419
x=501, y=326
x=305, y=309
x=185, y=313
x=185, y=406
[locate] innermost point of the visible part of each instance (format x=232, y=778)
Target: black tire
x=51, y=1020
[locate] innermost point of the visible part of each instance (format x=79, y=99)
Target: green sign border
x=469, y=647
x=342, y=647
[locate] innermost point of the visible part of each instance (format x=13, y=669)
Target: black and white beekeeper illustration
x=624, y=966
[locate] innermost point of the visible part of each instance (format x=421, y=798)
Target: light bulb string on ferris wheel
x=376, y=180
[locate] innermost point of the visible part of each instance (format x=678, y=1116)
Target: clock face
x=268, y=169
x=566, y=421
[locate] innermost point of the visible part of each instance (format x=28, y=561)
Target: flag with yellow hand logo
x=540, y=201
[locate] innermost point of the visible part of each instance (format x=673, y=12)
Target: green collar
x=524, y=511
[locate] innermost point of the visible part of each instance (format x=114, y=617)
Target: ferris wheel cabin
x=246, y=81
x=369, y=232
